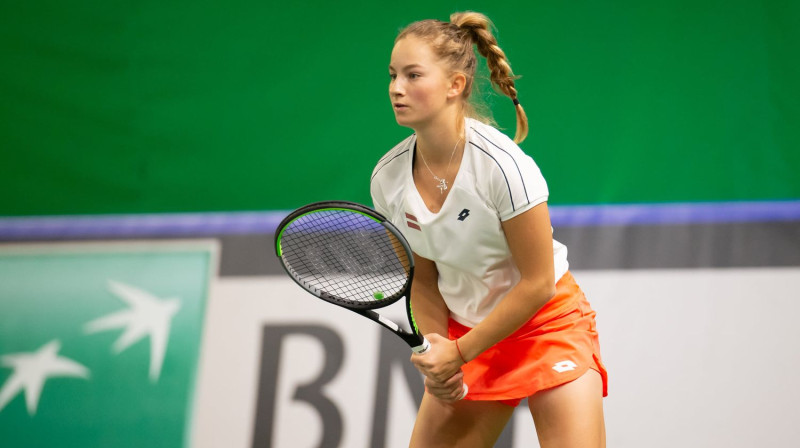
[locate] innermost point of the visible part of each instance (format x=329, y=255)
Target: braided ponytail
x=453, y=43
x=477, y=27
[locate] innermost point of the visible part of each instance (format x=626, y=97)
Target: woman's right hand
x=442, y=360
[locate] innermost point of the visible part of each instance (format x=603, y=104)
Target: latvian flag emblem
x=411, y=221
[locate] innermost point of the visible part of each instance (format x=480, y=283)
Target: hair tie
x=515, y=101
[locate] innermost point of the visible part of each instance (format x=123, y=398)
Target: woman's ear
x=457, y=83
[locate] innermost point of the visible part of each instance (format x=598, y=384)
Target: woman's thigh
x=570, y=415
x=469, y=424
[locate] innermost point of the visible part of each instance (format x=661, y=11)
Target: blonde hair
x=453, y=43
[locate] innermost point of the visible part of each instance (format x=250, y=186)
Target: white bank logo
x=99, y=343
x=147, y=315
x=31, y=371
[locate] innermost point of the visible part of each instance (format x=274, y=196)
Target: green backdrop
x=152, y=106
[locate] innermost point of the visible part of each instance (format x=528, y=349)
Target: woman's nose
x=395, y=88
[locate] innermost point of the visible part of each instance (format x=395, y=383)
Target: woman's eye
x=392, y=76
x=413, y=75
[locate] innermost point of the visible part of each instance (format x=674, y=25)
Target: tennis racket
x=351, y=256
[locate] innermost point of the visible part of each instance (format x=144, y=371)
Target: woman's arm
x=430, y=311
x=530, y=240
x=432, y=315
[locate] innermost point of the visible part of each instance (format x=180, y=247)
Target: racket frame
x=418, y=343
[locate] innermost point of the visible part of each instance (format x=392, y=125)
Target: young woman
x=492, y=290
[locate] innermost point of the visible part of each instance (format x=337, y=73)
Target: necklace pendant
x=442, y=185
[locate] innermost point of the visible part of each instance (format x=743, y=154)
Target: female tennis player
x=492, y=290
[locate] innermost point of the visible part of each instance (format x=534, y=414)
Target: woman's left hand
x=450, y=391
x=441, y=361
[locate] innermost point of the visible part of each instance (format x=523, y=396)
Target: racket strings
x=348, y=256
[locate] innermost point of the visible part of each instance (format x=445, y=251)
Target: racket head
x=345, y=253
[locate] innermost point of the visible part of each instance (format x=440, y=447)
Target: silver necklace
x=442, y=182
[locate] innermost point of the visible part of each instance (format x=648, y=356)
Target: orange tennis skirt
x=558, y=345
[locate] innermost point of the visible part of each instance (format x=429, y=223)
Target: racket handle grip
x=422, y=348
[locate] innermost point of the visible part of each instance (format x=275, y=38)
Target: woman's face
x=419, y=84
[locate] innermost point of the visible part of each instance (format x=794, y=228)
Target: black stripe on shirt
x=510, y=196
x=522, y=179
x=388, y=162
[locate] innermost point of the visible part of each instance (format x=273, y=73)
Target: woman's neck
x=439, y=141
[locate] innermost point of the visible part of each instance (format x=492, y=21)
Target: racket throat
x=417, y=342
x=387, y=323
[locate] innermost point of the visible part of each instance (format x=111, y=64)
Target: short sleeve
x=378, y=199
x=387, y=179
x=517, y=184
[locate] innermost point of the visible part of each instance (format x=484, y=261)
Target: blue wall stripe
x=232, y=223
x=119, y=226
x=675, y=213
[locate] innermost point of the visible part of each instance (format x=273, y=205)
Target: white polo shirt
x=496, y=181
